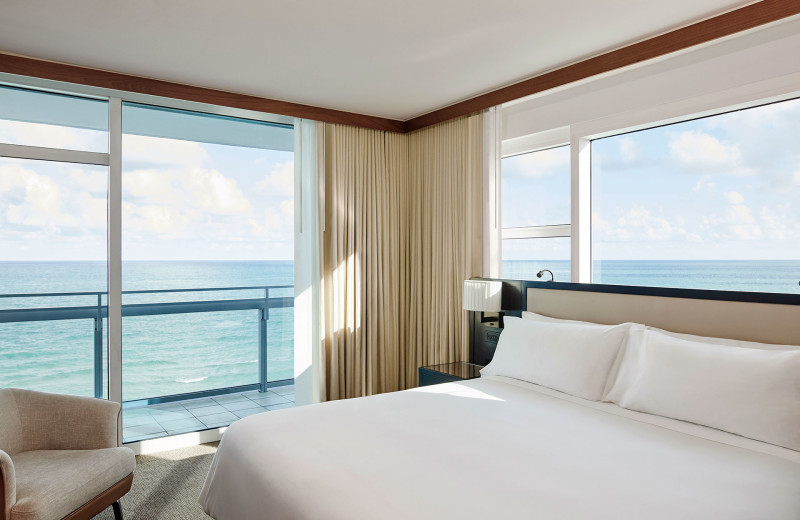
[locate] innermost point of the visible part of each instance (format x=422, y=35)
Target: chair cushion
x=53, y=483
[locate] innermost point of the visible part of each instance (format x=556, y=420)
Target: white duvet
x=492, y=448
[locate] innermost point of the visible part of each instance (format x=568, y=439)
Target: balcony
x=203, y=331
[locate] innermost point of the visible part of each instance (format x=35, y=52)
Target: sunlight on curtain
x=402, y=231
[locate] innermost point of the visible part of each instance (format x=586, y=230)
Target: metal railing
x=100, y=311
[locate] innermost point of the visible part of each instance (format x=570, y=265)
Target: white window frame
x=579, y=136
x=113, y=160
x=529, y=144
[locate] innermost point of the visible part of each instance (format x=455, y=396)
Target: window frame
x=113, y=160
x=580, y=134
x=548, y=140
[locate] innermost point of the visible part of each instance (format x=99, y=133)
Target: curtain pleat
x=402, y=232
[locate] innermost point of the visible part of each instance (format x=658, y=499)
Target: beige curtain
x=401, y=231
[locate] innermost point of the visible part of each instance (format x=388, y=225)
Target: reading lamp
x=484, y=296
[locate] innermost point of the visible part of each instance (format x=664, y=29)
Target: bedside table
x=448, y=372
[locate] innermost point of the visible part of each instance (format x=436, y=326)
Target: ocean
x=162, y=354
x=179, y=353
x=777, y=276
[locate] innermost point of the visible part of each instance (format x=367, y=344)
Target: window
x=194, y=209
x=536, y=214
x=51, y=120
x=207, y=204
x=709, y=203
x=53, y=247
x=703, y=203
x=524, y=258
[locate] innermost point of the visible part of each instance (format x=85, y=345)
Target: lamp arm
x=552, y=276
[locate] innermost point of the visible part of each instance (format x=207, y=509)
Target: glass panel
x=523, y=258
x=53, y=245
x=153, y=121
x=536, y=188
x=35, y=118
x=280, y=360
x=705, y=204
x=205, y=214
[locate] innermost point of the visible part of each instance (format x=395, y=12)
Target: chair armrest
x=8, y=486
x=66, y=422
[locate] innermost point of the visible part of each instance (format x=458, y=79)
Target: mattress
x=492, y=448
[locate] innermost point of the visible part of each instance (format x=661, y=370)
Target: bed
x=502, y=447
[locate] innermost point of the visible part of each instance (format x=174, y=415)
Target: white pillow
x=612, y=375
x=750, y=392
x=574, y=359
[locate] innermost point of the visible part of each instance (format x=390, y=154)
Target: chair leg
x=117, y=510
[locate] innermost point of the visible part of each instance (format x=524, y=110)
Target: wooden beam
x=726, y=24
x=37, y=68
x=720, y=26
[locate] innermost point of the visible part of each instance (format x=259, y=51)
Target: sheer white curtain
x=308, y=376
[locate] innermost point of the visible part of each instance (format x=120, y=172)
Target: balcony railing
x=99, y=311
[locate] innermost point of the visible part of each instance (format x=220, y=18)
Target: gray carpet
x=166, y=485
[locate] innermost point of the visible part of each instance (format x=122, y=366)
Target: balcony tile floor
x=160, y=420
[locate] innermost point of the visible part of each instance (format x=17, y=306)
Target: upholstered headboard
x=763, y=317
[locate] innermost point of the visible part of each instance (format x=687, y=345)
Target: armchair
x=60, y=456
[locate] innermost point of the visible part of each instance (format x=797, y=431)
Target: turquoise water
x=163, y=354
x=178, y=353
x=777, y=276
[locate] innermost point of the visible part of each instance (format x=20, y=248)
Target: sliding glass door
x=146, y=256
x=207, y=247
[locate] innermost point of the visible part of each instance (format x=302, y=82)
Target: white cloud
x=94, y=211
x=216, y=193
x=656, y=228
x=538, y=164
x=202, y=189
x=734, y=197
x=162, y=221
x=41, y=204
x=287, y=208
x=275, y=222
x=702, y=150
x=92, y=181
x=629, y=149
x=780, y=222
x=704, y=184
x=51, y=136
x=280, y=179
x=153, y=186
x=736, y=222
x=639, y=224
x=163, y=152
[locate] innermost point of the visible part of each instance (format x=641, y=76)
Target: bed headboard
x=763, y=317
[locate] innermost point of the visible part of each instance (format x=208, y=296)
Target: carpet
x=166, y=485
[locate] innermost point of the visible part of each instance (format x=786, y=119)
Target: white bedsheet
x=492, y=448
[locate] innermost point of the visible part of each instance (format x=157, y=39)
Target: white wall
x=760, y=63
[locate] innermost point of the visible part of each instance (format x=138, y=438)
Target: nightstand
x=448, y=372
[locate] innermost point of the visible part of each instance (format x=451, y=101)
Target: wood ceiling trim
x=705, y=31
x=744, y=18
x=37, y=68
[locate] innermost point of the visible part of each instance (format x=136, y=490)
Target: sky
x=725, y=187
x=181, y=200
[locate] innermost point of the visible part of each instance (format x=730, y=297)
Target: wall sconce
x=484, y=296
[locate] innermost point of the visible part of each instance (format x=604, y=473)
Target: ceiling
x=393, y=59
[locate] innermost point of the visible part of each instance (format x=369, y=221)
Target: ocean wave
x=194, y=380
